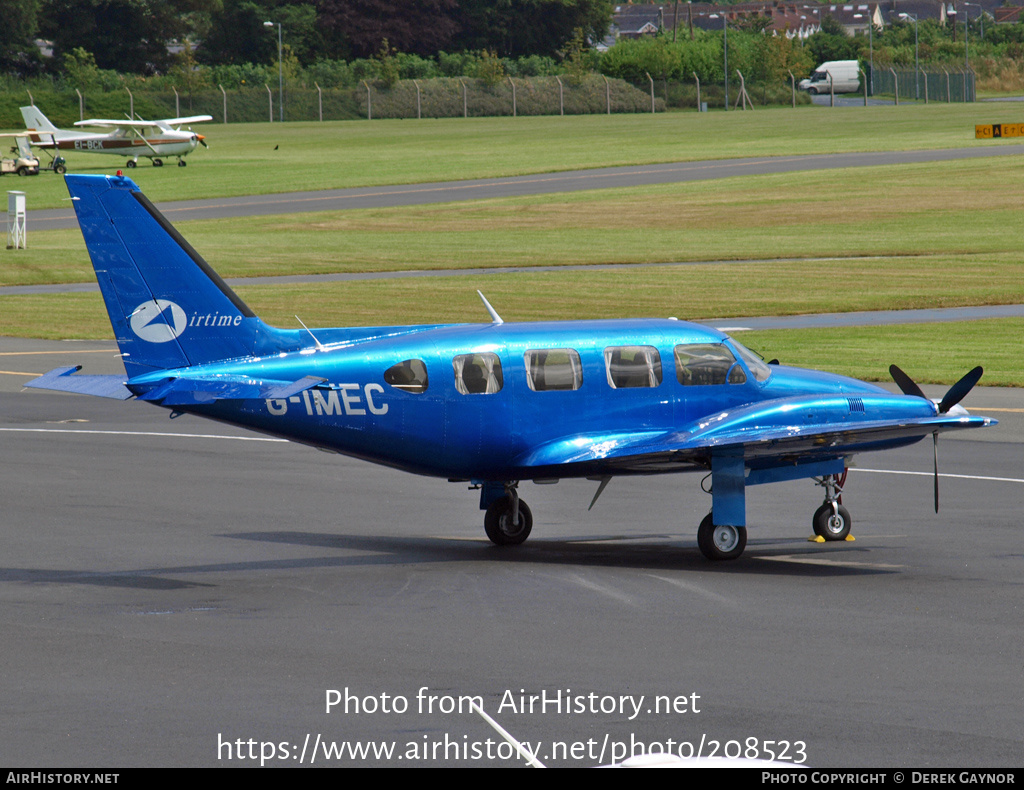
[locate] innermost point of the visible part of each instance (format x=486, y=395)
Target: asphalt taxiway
x=178, y=592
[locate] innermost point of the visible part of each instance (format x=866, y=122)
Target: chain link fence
x=427, y=98
x=941, y=85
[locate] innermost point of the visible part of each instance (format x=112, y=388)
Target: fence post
x=131, y=104
x=270, y=101
x=607, y=95
x=418, y=112
x=369, y=103
x=792, y=86
x=652, y=90
x=948, y=97
x=698, y=90
x=81, y=105
x=465, y=101
x=225, y=95
x=561, y=96
x=320, y=100
x=896, y=86
x=177, y=103
x=865, y=77
x=513, y=96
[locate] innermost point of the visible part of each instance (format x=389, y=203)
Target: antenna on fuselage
x=319, y=345
x=494, y=313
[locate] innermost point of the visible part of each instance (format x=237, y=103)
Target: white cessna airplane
x=154, y=139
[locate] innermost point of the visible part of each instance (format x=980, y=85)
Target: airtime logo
x=158, y=321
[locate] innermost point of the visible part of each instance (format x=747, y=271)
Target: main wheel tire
x=722, y=542
x=158, y=163
x=498, y=522
x=182, y=163
x=131, y=163
x=832, y=526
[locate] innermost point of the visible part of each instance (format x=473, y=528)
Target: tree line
x=108, y=44
x=131, y=36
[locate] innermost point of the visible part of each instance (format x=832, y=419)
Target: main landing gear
x=508, y=520
x=722, y=542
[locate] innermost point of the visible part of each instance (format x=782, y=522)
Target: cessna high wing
x=132, y=139
x=490, y=404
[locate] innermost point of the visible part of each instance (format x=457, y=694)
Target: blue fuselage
x=441, y=426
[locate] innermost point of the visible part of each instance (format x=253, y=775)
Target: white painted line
x=941, y=474
x=146, y=433
x=823, y=561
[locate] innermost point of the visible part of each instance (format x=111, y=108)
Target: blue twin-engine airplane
x=491, y=404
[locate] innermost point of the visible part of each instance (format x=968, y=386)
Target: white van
x=845, y=77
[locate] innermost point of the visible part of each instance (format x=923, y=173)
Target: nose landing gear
x=832, y=521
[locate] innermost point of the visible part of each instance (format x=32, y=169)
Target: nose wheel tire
x=499, y=525
x=722, y=542
x=832, y=525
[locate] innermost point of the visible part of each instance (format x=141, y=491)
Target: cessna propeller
x=955, y=394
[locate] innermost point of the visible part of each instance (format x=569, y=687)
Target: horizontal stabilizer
x=64, y=380
x=191, y=391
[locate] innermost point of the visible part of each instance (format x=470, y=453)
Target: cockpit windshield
x=754, y=363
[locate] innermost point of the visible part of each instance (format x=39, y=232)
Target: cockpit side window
x=478, y=374
x=409, y=375
x=632, y=366
x=707, y=363
x=553, y=369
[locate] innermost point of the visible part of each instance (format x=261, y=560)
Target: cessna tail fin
x=167, y=307
x=35, y=121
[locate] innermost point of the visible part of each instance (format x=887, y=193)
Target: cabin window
x=553, y=369
x=408, y=376
x=477, y=374
x=707, y=363
x=632, y=366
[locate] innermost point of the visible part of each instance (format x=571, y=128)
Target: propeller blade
x=935, y=458
x=905, y=383
x=959, y=390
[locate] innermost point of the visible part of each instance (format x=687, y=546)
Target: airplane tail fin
x=167, y=307
x=35, y=121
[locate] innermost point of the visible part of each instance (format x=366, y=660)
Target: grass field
x=940, y=234
x=242, y=158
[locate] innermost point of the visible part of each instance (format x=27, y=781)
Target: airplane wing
x=788, y=431
x=112, y=122
x=187, y=119
x=174, y=391
x=124, y=123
